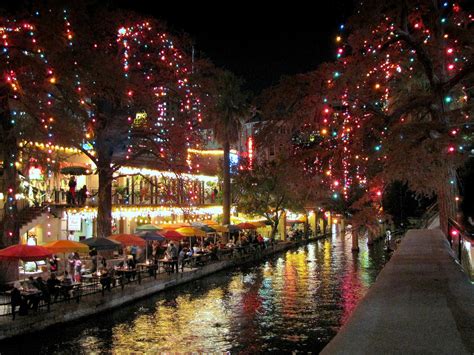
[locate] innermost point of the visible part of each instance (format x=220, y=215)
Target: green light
x=448, y=99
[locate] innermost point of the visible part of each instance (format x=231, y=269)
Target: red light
x=454, y=232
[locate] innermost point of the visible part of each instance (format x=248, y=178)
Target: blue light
x=448, y=99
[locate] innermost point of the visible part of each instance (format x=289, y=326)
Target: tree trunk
x=226, y=188
x=9, y=221
x=9, y=147
x=104, y=209
x=274, y=229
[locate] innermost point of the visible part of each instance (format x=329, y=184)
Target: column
x=321, y=224
x=355, y=239
x=282, y=226
x=313, y=221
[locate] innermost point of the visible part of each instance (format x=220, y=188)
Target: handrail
x=458, y=234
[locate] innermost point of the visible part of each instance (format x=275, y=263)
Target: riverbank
x=422, y=302
x=94, y=304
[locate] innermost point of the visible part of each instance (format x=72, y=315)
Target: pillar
x=282, y=226
x=313, y=221
x=321, y=224
x=370, y=237
x=343, y=226
x=355, y=240
x=330, y=223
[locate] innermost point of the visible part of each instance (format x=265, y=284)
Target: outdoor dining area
x=69, y=270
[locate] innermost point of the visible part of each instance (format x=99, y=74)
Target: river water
x=294, y=301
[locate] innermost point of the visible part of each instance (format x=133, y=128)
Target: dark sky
x=259, y=44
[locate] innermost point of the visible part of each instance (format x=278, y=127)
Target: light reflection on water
x=294, y=301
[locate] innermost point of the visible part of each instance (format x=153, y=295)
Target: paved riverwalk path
x=421, y=303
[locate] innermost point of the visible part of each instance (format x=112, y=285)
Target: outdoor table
x=167, y=264
x=31, y=298
x=127, y=273
x=66, y=288
x=90, y=278
x=200, y=259
x=151, y=267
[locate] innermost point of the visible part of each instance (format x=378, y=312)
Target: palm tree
x=228, y=112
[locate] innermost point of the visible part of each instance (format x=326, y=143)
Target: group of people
x=74, y=197
x=28, y=294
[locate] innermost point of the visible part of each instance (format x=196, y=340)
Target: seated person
x=67, y=280
x=52, y=284
x=105, y=279
x=131, y=263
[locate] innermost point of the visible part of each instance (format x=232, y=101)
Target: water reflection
x=294, y=301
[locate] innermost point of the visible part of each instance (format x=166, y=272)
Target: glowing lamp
x=454, y=232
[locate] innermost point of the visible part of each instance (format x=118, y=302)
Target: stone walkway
x=421, y=303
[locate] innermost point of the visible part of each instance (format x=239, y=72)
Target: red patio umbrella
x=173, y=235
x=24, y=252
x=246, y=225
x=128, y=239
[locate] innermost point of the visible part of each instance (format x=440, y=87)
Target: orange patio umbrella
x=174, y=225
x=191, y=232
x=258, y=224
x=128, y=239
x=210, y=223
x=66, y=246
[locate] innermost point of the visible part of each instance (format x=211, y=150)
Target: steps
x=29, y=217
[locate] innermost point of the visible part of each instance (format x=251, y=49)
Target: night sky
x=259, y=44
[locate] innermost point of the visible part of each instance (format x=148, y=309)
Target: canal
x=294, y=301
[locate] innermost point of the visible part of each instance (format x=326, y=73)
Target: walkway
x=421, y=303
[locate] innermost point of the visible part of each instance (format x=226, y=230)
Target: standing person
x=77, y=269
x=181, y=257
x=174, y=257
x=72, y=189
x=15, y=297
x=53, y=264
x=133, y=251
x=72, y=263
x=154, y=252
x=82, y=196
